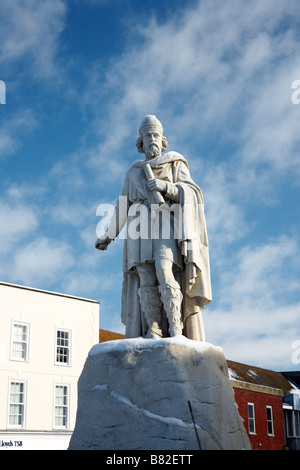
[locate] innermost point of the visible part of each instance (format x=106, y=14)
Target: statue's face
x=152, y=143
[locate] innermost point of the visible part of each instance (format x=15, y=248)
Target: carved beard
x=153, y=150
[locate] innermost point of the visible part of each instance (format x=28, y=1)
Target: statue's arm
x=117, y=221
x=170, y=190
x=182, y=179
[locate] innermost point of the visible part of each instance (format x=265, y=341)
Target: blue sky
x=81, y=75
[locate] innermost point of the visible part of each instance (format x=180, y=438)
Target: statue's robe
x=187, y=246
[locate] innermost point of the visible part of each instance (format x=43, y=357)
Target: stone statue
x=166, y=281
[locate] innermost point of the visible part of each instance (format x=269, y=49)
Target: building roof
x=105, y=335
x=293, y=376
x=17, y=286
x=257, y=376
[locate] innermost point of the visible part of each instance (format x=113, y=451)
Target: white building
x=44, y=340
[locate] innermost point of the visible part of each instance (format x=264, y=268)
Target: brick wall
x=261, y=440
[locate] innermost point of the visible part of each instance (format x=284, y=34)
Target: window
x=251, y=418
x=297, y=423
x=292, y=418
x=20, y=341
x=61, y=406
x=16, y=404
x=63, y=344
x=270, y=421
x=289, y=423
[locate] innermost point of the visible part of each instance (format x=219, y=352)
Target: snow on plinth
x=164, y=394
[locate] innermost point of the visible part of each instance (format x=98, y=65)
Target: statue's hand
x=157, y=185
x=102, y=243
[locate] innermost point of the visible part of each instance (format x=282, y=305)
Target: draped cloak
x=187, y=246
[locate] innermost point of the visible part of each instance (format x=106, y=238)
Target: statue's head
x=151, y=140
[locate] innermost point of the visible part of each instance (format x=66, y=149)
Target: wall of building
x=45, y=313
x=260, y=440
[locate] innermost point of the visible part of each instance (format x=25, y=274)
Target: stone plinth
x=134, y=394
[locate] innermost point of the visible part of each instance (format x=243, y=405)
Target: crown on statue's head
x=150, y=122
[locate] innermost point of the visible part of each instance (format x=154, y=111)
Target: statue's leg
x=150, y=300
x=171, y=295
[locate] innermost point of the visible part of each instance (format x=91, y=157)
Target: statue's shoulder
x=167, y=157
x=134, y=170
x=137, y=164
x=174, y=157
x=134, y=165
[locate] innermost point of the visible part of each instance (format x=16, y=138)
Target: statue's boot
x=151, y=306
x=172, y=298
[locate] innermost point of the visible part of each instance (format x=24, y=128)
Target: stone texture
x=134, y=393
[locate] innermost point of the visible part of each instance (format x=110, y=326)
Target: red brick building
x=269, y=403
x=106, y=335
x=259, y=395
x=263, y=418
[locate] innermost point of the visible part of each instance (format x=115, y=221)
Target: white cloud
x=30, y=29
x=255, y=308
x=271, y=131
x=41, y=261
x=263, y=274
x=16, y=222
x=14, y=129
x=81, y=283
x=221, y=72
x=257, y=336
x=223, y=69
x=69, y=214
x=224, y=215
